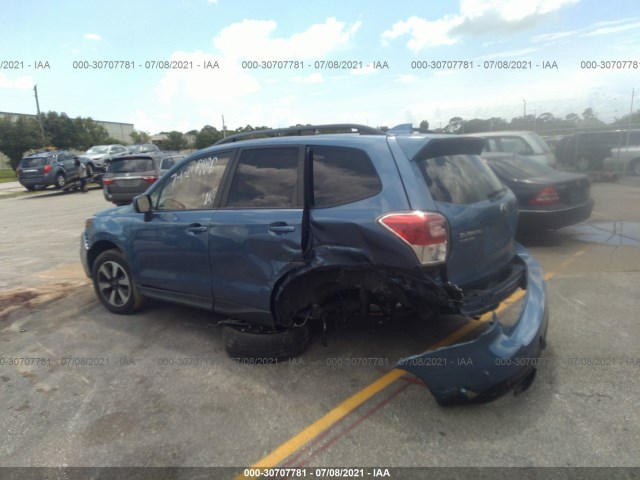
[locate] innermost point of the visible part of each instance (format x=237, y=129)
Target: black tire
x=31, y=188
x=113, y=283
x=89, y=171
x=60, y=180
x=249, y=343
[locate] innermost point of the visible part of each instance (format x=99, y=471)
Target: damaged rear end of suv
x=301, y=228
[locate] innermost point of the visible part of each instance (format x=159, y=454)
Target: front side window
x=265, y=178
x=342, y=175
x=194, y=186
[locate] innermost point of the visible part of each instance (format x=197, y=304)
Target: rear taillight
x=107, y=181
x=425, y=232
x=47, y=168
x=150, y=179
x=546, y=196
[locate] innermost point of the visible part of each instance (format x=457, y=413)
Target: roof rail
x=304, y=130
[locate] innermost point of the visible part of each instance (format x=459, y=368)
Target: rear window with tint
x=33, y=162
x=459, y=179
x=131, y=165
x=342, y=175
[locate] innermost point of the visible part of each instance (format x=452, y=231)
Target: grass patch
x=7, y=175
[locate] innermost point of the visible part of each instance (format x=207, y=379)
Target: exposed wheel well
x=97, y=249
x=351, y=290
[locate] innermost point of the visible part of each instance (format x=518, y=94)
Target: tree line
x=60, y=131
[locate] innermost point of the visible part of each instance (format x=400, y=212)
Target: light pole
x=524, y=112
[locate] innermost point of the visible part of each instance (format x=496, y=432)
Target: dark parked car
x=47, y=168
x=276, y=233
x=131, y=175
x=588, y=150
x=547, y=199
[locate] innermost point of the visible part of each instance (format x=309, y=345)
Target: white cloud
x=255, y=40
x=92, y=36
x=212, y=1
x=21, y=83
x=473, y=18
x=612, y=29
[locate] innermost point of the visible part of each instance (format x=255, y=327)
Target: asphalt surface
x=83, y=387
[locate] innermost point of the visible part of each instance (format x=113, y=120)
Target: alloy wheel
x=113, y=283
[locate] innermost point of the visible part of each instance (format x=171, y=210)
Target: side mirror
x=142, y=204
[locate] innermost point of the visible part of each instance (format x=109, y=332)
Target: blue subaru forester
x=316, y=223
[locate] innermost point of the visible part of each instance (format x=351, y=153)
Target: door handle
x=195, y=229
x=281, y=227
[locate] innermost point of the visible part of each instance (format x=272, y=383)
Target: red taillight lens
x=150, y=179
x=425, y=232
x=107, y=181
x=47, y=168
x=546, y=196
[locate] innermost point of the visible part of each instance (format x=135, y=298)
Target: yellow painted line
x=316, y=428
x=298, y=441
x=295, y=443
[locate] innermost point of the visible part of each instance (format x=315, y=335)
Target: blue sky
x=229, y=32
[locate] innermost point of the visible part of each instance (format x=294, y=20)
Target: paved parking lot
x=83, y=387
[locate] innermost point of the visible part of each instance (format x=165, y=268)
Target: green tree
x=18, y=137
x=424, y=127
x=175, y=141
x=89, y=133
x=140, y=136
x=207, y=136
x=60, y=130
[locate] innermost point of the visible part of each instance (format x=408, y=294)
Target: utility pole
x=633, y=91
x=524, y=112
x=224, y=128
x=35, y=89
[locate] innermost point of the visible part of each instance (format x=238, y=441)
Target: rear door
x=256, y=235
x=481, y=212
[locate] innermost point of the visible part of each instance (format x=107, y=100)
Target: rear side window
x=265, y=178
x=131, y=165
x=459, y=179
x=342, y=175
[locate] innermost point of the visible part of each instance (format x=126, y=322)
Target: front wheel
x=113, y=283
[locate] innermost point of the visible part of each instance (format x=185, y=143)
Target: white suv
x=97, y=158
x=525, y=143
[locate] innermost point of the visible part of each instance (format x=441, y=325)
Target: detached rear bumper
x=502, y=358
